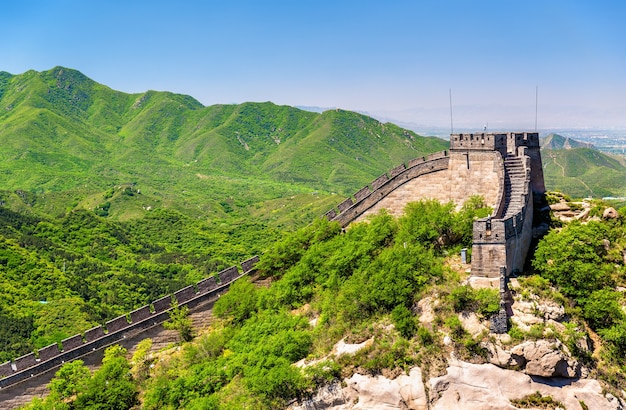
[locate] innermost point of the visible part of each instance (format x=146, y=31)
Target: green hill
x=556, y=141
x=109, y=200
x=583, y=172
x=61, y=132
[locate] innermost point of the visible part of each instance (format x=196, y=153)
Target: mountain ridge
x=61, y=130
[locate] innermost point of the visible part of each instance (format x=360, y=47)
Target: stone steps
x=514, y=179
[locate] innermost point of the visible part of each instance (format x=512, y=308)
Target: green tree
x=602, y=309
x=179, y=320
x=111, y=387
x=574, y=257
x=69, y=380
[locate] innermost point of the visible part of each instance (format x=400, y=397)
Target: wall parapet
x=352, y=207
x=143, y=318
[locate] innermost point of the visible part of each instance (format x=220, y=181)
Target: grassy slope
x=582, y=172
x=72, y=139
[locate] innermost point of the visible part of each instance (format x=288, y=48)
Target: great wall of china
x=504, y=168
x=114, y=330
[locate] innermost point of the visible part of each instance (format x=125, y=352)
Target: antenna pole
x=451, y=125
x=536, y=104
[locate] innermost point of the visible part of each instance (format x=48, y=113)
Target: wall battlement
x=504, y=168
x=116, y=329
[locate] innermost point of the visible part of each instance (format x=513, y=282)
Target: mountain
x=72, y=139
x=556, y=141
x=583, y=172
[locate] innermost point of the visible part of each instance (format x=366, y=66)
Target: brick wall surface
x=162, y=304
x=229, y=274
x=116, y=324
x=140, y=314
x=249, y=264
x=24, y=362
x=206, y=285
x=381, y=180
x=5, y=369
x=456, y=183
x=185, y=294
x=72, y=342
x=48, y=352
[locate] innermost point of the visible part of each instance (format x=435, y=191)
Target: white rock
x=471, y=324
x=404, y=392
x=350, y=348
x=487, y=387
x=543, y=358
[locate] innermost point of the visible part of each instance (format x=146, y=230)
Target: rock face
x=484, y=386
x=543, y=358
x=610, y=213
x=403, y=392
x=465, y=386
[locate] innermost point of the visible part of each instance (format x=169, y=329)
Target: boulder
x=560, y=207
x=544, y=358
x=471, y=324
x=470, y=386
x=610, y=213
x=500, y=357
x=403, y=392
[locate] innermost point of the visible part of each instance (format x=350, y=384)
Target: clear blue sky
x=396, y=59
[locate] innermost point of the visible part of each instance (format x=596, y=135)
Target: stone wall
x=473, y=166
x=467, y=174
x=117, y=329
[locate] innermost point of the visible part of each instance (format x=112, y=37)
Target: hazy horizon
x=396, y=61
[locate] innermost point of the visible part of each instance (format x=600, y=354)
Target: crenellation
x=48, y=352
x=25, y=362
x=380, y=181
x=249, y=264
x=74, y=341
x=345, y=205
x=206, y=285
x=5, y=370
x=115, y=325
x=228, y=275
x=330, y=215
x=362, y=193
x=396, y=171
x=140, y=314
x=415, y=161
x=162, y=304
x=94, y=333
x=185, y=294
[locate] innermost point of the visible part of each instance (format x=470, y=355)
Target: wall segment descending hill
x=138, y=320
x=504, y=168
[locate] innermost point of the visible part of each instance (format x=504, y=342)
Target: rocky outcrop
x=465, y=386
x=610, y=213
x=470, y=386
x=403, y=392
x=543, y=358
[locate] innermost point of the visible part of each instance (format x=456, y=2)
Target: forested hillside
x=368, y=286
x=583, y=172
x=72, y=139
x=110, y=200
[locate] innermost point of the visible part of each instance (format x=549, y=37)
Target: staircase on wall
x=514, y=181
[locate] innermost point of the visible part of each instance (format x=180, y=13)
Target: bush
x=404, y=321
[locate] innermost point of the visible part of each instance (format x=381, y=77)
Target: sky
x=503, y=64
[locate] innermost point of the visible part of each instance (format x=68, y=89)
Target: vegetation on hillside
x=71, y=141
x=583, y=172
x=359, y=283
x=61, y=276
x=587, y=263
